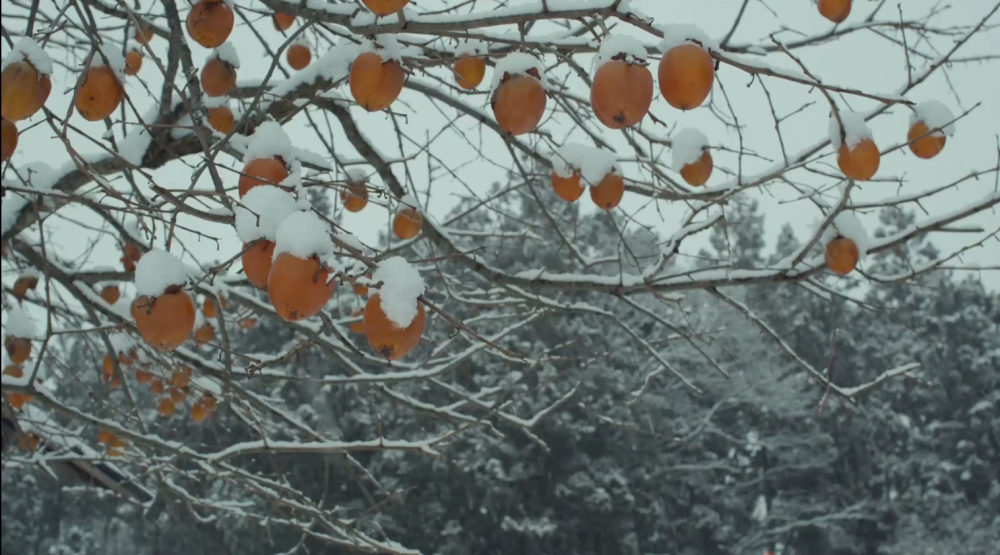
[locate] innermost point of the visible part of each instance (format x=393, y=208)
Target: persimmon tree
x=224, y=163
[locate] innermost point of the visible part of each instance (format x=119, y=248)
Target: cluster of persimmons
x=621, y=97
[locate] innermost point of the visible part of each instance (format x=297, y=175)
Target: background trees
x=650, y=378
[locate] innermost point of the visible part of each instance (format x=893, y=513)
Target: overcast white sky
x=863, y=60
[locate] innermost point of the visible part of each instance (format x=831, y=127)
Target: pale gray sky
x=863, y=60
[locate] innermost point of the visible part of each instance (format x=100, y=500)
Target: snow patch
x=401, y=286
x=37, y=176
x=19, y=324
x=472, y=47
x=517, y=63
x=935, y=115
x=687, y=147
x=679, y=34
x=138, y=139
x=272, y=205
x=227, y=53
x=112, y=58
x=27, y=50
x=214, y=101
x=592, y=163
x=156, y=271
x=303, y=234
x=386, y=46
x=268, y=140
x=855, y=129
x=408, y=201
x=133, y=46
x=615, y=45
x=846, y=224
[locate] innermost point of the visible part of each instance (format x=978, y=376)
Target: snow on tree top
x=19, y=324
x=269, y=140
x=687, y=147
x=156, y=271
x=115, y=60
x=227, y=53
x=592, y=163
x=303, y=234
x=472, y=47
x=401, y=286
x=846, y=224
x=408, y=201
x=615, y=45
x=517, y=63
x=935, y=115
x=855, y=129
x=678, y=34
x=261, y=211
x=27, y=50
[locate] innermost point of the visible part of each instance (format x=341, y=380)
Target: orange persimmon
x=8, y=139
x=133, y=62
x=923, y=144
x=282, y=21
x=697, y=173
x=835, y=10
x=262, y=171
x=841, y=255
x=375, y=83
x=24, y=90
x=861, y=162
x=298, y=56
x=165, y=322
x=567, y=188
x=686, y=76
x=609, y=192
x=218, y=77
x=100, y=94
x=622, y=93
x=519, y=103
x=385, y=337
x=355, y=196
x=110, y=294
x=18, y=348
x=210, y=23
x=469, y=71
x=298, y=287
x=257, y=262
x=383, y=8
x=407, y=223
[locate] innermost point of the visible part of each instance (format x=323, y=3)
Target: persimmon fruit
x=130, y=255
x=24, y=91
x=24, y=284
x=385, y=337
x=355, y=197
x=133, y=62
x=204, y=334
x=298, y=287
x=210, y=23
x=178, y=395
x=567, y=188
x=835, y=10
x=262, y=171
x=407, y=223
x=841, y=255
x=609, y=192
x=8, y=139
x=181, y=377
x=17, y=399
x=257, y=262
x=166, y=408
x=375, y=84
x=28, y=441
x=686, y=76
x=697, y=173
x=166, y=321
x=208, y=306
x=282, y=21
x=861, y=162
x=221, y=119
x=18, y=348
x=925, y=145
x=144, y=34
x=218, y=77
x=100, y=94
x=298, y=56
x=359, y=326
x=519, y=104
x=157, y=386
x=622, y=93
x=383, y=8
x=143, y=377
x=13, y=371
x=469, y=71
x=110, y=294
